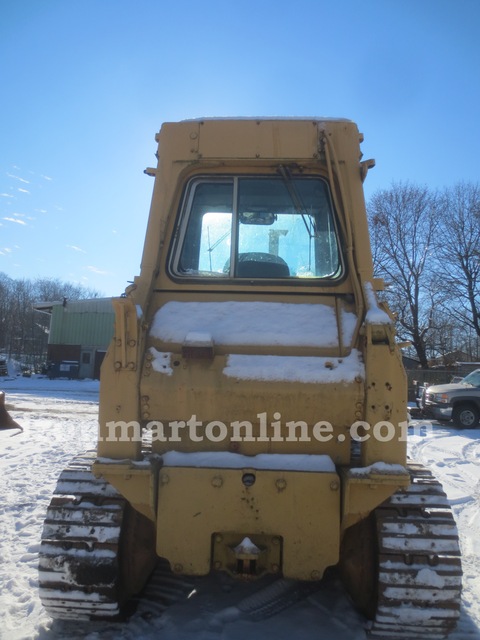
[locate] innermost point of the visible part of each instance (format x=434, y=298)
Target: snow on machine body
x=253, y=412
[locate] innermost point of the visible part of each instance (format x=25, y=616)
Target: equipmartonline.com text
x=244, y=431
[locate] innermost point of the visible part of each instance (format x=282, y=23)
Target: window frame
x=182, y=223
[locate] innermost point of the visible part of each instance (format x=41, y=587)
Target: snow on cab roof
x=268, y=118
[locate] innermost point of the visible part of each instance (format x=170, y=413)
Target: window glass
x=215, y=242
x=473, y=379
x=259, y=228
x=207, y=240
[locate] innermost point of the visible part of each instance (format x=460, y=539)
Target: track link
x=419, y=581
x=79, y=573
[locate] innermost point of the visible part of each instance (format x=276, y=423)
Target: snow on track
x=59, y=418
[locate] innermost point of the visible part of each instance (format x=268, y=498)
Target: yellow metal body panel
x=138, y=484
x=196, y=503
x=386, y=400
x=200, y=387
x=362, y=494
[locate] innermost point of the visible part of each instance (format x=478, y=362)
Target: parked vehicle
x=420, y=391
x=458, y=401
x=64, y=369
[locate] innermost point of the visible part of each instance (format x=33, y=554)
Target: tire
x=466, y=416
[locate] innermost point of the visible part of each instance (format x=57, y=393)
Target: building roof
x=93, y=305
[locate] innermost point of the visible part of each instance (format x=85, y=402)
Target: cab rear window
x=243, y=227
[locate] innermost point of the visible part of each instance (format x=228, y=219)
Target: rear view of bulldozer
x=253, y=413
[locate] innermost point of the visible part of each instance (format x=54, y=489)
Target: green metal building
x=80, y=332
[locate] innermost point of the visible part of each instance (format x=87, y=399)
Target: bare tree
x=49, y=289
x=457, y=244
x=450, y=339
x=402, y=221
x=5, y=317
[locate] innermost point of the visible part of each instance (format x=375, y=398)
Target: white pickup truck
x=459, y=401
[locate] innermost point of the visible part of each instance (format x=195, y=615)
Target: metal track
x=86, y=553
x=419, y=581
x=79, y=573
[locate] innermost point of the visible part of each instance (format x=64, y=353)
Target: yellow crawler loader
x=253, y=414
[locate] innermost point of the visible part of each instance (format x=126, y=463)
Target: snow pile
x=296, y=368
x=266, y=461
x=247, y=547
x=375, y=315
x=161, y=361
x=252, y=323
x=382, y=468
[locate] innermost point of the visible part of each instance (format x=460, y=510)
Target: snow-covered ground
x=59, y=419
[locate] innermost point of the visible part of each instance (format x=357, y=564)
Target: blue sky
x=86, y=84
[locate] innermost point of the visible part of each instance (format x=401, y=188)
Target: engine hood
x=448, y=388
